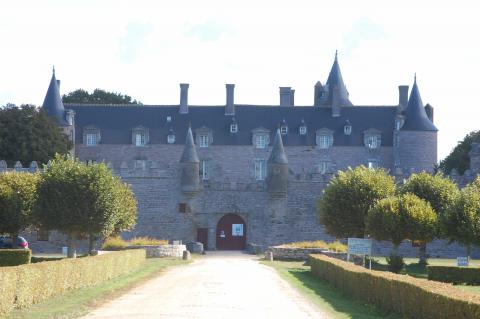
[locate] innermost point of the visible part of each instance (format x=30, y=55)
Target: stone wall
x=162, y=250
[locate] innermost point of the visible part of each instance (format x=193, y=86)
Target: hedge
x=405, y=295
x=29, y=284
x=453, y=274
x=14, y=257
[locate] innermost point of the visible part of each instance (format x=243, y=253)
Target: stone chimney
x=403, y=96
x=287, y=96
x=184, y=98
x=229, y=105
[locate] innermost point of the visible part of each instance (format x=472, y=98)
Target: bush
x=408, y=296
x=307, y=244
x=14, y=257
x=338, y=247
x=395, y=263
x=25, y=285
x=453, y=274
x=114, y=243
x=146, y=241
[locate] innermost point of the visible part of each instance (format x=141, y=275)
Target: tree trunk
x=14, y=240
x=422, y=253
x=469, y=251
x=91, y=243
x=395, y=249
x=72, y=251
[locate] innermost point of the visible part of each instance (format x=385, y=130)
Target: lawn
x=81, y=301
x=325, y=296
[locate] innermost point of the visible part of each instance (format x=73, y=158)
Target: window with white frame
x=303, y=130
x=260, y=141
x=233, y=128
x=204, y=170
x=322, y=167
x=283, y=129
x=140, y=138
x=260, y=169
x=372, y=141
x=373, y=164
x=325, y=140
x=171, y=138
x=91, y=138
x=203, y=140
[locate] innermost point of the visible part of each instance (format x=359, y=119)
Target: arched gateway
x=231, y=233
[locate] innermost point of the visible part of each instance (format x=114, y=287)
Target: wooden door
x=231, y=233
x=202, y=237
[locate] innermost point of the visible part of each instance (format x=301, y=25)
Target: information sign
x=359, y=246
x=462, y=261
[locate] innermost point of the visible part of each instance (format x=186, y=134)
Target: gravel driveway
x=220, y=285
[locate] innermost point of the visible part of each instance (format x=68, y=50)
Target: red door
x=231, y=233
x=202, y=237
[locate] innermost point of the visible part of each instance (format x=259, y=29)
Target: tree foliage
x=80, y=199
x=17, y=200
x=98, y=96
x=462, y=220
x=28, y=134
x=459, y=157
x=348, y=198
x=402, y=217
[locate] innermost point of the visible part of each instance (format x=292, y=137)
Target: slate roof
x=278, y=153
x=189, y=154
x=53, y=102
x=335, y=81
x=116, y=122
x=416, y=118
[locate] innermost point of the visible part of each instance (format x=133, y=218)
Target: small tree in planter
x=399, y=218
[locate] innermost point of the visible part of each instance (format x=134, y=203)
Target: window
x=372, y=141
x=91, y=162
x=303, y=130
x=347, y=129
x=284, y=129
x=204, y=170
x=170, y=138
x=182, y=207
x=204, y=141
x=260, y=169
x=233, y=128
x=372, y=164
x=140, y=139
x=260, y=141
x=322, y=167
x=42, y=234
x=92, y=139
x=324, y=141
x=169, y=119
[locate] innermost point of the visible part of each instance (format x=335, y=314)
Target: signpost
x=359, y=246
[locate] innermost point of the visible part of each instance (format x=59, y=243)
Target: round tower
x=190, y=166
x=277, y=177
x=417, y=138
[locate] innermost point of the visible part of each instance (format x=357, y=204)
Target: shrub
x=338, y=247
x=307, y=244
x=395, y=263
x=408, y=296
x=114, y=243
x=145, y=241
x=14, y=257
x=24, y=285
x=453, y=274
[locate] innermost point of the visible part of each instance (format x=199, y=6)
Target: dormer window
x=203, y=140
x=347, y=128
x=260, y=138
x=169, y=119
x=204, y=137
x=284, y=129
x=91, y=136
x=92, y=139
x=233, y=128
x=140, y=136
x=372, y=138
x=171, y=137
x=261, y=141
x=324, y=138
x=303, y=130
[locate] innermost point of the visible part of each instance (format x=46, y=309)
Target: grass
x=326, y=297
x=79, y=302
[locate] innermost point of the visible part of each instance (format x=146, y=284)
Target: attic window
x=347, y=129
x=91, y=136
x=284, y=129
x=303, y=130
x=169, y=119
x=233, y=128
x=203, y=140
x=140, y=136
x=92, y=139
x=171, y=138
x=372, y=139
x=260, y=141
x=324, y=138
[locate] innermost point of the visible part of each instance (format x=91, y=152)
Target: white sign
x=360, y=246
x=237, y=230
x=462, y=261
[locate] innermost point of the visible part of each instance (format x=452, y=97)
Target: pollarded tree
x=98, y=96
x=462, y=219
x=17, y=198
x=459, y=157
x=440, y=192
x=348, y=198
x=79, y=199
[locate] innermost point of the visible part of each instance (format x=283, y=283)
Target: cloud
x=135, y=38
x=208, y=31
x=363, y=32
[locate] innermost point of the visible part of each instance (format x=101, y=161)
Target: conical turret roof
x=416, y=118
x=52, y=103
x=189, y=152
x=335, y=83
x=278, y=153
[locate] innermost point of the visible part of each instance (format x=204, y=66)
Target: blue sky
x=146, y=48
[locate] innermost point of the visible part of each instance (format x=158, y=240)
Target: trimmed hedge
x=405, y=295
x=453, y=274
x=24, y=285
x=15, y=257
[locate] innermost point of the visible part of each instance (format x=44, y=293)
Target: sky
x=146, y=48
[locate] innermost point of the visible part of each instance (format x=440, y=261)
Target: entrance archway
x=231, y=233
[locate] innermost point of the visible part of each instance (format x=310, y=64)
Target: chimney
x=230, y=106
x=403, y=96
x=183, y=98
x=286, y=96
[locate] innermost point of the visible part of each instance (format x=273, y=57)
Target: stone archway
x=231, y=233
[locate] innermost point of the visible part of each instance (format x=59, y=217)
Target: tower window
x=260, y=169
x=233, y=128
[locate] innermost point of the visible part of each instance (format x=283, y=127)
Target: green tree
x=348, y=198
x=28, y=134
x=458, y=157
x=17, y=200
x=440, y=192
x=462, y=219
x=98, y=96
x=80, y=200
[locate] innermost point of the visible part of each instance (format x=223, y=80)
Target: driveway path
x=226, y=285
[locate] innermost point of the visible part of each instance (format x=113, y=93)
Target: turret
x=189, y=163
x=52, y=103
x=337, y=94
x=277, y=177
x=417, y=138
